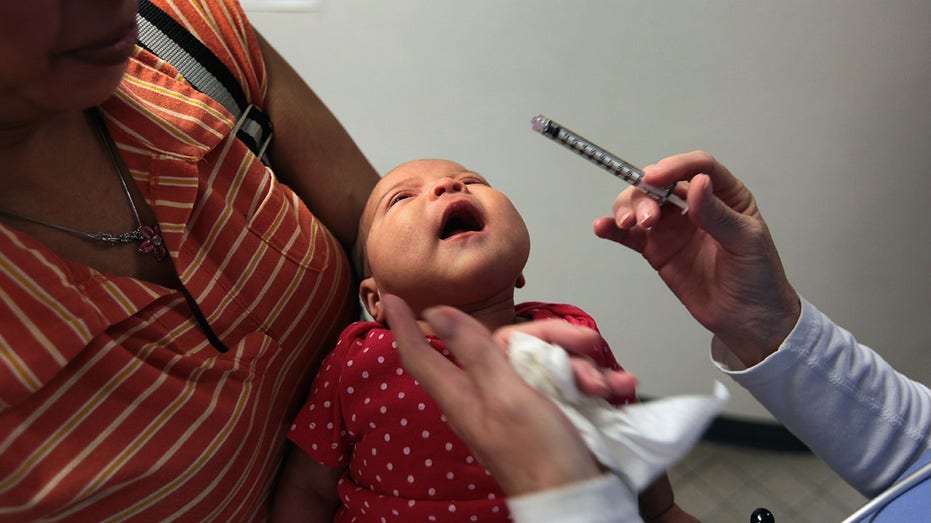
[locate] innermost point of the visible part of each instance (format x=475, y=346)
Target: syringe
x=605, y=160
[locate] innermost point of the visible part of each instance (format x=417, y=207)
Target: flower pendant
x=152, y=242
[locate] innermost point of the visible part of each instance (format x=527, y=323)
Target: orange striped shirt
x=113, y=404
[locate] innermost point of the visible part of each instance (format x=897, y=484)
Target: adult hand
x=719, y=259
x=517, y=433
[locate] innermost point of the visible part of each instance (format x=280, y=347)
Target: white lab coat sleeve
x=863, y=418
x=605, y=499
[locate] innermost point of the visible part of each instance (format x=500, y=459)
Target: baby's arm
x=306, y=491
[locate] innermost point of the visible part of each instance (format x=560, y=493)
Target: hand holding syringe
x=605, y=160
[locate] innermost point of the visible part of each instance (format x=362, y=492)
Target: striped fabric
x=113, y=405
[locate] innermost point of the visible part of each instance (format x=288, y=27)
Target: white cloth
x=638, y=441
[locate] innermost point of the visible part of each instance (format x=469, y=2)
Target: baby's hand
x=582, y=344
x=600, y=382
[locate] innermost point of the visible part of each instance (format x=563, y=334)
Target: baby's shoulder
x=364, y=335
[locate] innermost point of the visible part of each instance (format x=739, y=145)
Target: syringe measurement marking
x=619, y=168
x=605, y=160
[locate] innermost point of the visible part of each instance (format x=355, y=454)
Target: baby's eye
x=397, y=197
x=473, y=181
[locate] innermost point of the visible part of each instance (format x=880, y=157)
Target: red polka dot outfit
x=404, y=463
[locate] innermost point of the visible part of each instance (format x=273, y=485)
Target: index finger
x=444, y=382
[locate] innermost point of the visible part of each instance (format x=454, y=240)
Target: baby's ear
x=521, y=281
x=371, y=299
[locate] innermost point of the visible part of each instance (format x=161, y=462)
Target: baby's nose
x=446, y=185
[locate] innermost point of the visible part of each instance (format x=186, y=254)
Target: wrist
x=753, y=341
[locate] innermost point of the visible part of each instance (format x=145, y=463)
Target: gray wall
x=823, y=108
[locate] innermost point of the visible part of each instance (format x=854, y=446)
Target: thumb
x=709, y=213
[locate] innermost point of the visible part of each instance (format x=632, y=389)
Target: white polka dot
x=366, y=401
x=374, y=451
x=450, y=475
x=394, y=344
x=349, y=363
x=471, y=486
x=443, y=418
x=381, y=359
x=399, y=371
x=431, y=491
x=350, y=389
x=449, y=446
x=452, y=508
x=473, y=518
x=406, y=450
x=293, y=426
x=365, y=374
x=384, y=386
x=401, y=395
x=329, y=426
x=470, y=459
x=421, y=406
x=312, y=426
x=383, y=409
x=428, y=462
x=410, y=479
x=312, y=406
x=327, y=404
x=381, y=336
x=425, y=434
x=410, y=503
x=387, y=437
x=390, y=466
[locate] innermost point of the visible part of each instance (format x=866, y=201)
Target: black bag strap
x=164, y=37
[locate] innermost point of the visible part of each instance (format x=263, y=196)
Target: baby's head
x=434, y=233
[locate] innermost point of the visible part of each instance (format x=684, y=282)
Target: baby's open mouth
x=460, y=218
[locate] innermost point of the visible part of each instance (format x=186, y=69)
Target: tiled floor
x=720, y=483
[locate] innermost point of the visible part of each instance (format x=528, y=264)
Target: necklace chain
x=148, y=237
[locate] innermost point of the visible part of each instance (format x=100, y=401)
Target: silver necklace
x=149, y=237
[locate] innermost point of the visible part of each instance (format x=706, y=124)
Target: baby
x=376, y=447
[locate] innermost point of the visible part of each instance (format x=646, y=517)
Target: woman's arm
x=312, y=153
x=306, y=490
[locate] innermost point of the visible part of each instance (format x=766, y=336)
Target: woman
x=149, y=374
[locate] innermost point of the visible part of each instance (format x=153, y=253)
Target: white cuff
x=605, y=499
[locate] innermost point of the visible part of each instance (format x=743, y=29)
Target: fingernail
x=626, y=220
x=646, y=217
x=442, y=325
